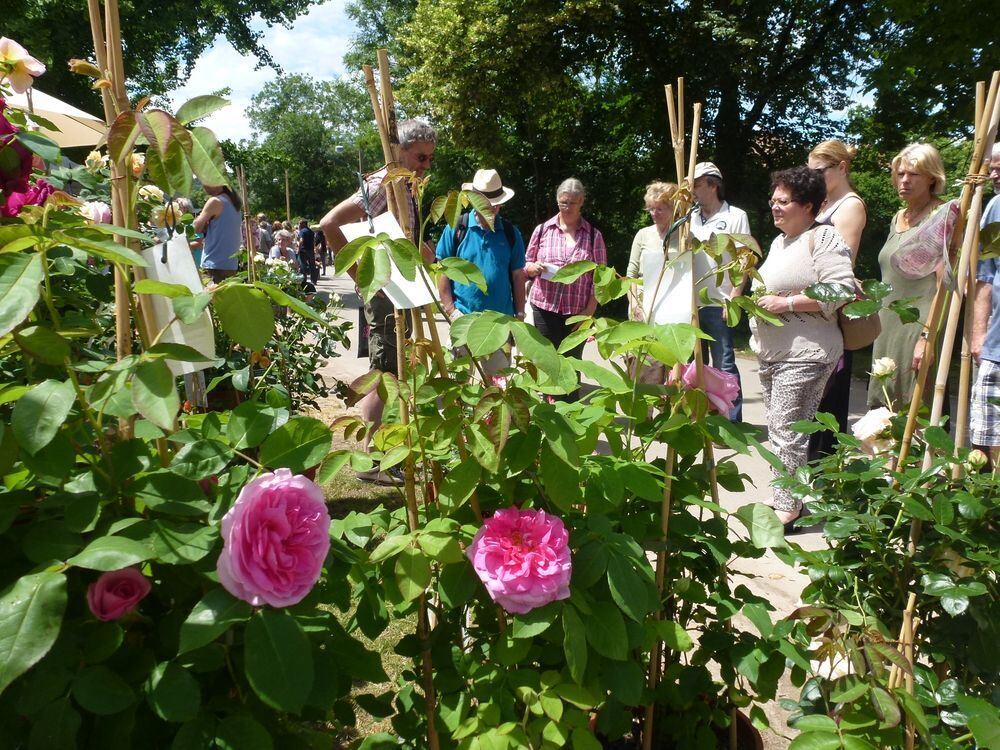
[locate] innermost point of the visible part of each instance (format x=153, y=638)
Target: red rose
x=117, y=592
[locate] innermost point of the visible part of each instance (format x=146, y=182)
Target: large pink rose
x=276, y=537
x=523, y=558
x=721, y=388
x=117, y=592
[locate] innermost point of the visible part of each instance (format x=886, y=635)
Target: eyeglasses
x=568, y=204
x=783, y=203
x=822, y=170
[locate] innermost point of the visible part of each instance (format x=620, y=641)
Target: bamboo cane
x=965, y=367
x=241, y=178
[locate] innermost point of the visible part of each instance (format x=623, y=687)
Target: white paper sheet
x=404, y=294
x=179, y=269
x=673, y=297
x=549, y=270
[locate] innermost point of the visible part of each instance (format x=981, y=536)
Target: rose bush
x=275, y=540
x=523, y=558
x=116, y=593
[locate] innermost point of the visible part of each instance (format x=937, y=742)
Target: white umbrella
x=76, y=127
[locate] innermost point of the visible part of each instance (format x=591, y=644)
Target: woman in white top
x=659, y=204
x=796, y=358
x=845, y=211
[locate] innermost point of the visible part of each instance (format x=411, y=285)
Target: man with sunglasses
x=417, y=140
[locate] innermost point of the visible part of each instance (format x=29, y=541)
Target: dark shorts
x=382, y=351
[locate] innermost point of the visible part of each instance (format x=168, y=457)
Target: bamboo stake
x=965, y=367
x=241, y=179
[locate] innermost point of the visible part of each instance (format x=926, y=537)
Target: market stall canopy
x=76, y=127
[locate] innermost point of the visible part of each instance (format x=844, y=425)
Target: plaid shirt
x=378, y=201
x=548, y=245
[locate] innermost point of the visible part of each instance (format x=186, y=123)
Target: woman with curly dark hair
x=797, y=358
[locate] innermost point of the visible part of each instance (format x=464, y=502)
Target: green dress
x=898, y=340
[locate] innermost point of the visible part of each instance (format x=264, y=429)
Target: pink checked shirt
x=548, y=245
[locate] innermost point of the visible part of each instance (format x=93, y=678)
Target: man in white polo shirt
x=715, y=216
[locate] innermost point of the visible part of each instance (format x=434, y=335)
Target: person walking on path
x=565, y=238
x=796, y=358
x=845, y=211
x=715, y=216
x=918, y=176
x=984, y=422
x=221, y=223
x=417, y=140
x=307, y=254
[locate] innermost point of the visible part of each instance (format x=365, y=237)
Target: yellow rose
x=151, y=193
x=138, y=164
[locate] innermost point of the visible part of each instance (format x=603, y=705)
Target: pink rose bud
x=208, y=484
x=117, y=592
x=96, y=211
x=522, y=556
x=721, y=388
x=275, y=539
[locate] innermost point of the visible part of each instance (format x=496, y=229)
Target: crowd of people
x=803, y=364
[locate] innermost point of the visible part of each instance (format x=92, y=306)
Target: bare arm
x=444, y=290
x=982, y=308
x=519, y=280
x=850, y=221
x=212, y=208
x=345, y=212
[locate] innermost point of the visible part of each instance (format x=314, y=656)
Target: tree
x=162, y=39
x=298, y=123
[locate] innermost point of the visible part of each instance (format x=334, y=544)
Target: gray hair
x=415, y=131
x=995, y=154
x=572, y=186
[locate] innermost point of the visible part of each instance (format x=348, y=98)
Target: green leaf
x=39, y=144
x=151, y=286
x=154, y=393
x=249, y=423
x=983, y=720
x=390, y=547
x=300, y=443
x=673, y=635
x=278, y=659
x=348, y=255
x=43, y=344
x=55, y=727
x=180, y=352
x=606, y=631
x=816, y=741
x=245, y=314
x=170, y=171
x=488, y=332
x=830, y=293
x=101, y=691
x=200, y=459
x=199, y=107
x=80, y=238
x=463, y=272
x=293, y=303
x=572, y=271
x=40, y=413
x=406, y=257
x=763, y=524
x=536, y=348
x=20, y=279
x=111, y=553
x=413, y=573
x=459, y=484
x=189, y=309
x=441, y=547
x=628, y=588
x=373, y=270
x=180, y=544
x=242, y=733
x=30, y=619
x=206, y=158
x=217, y=611
x=172, y=693
x=575, y=644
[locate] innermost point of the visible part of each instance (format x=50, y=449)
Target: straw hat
x=488, y=183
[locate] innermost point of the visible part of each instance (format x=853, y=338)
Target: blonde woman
x=919, y=179
x=659, y=205
x=845, y=211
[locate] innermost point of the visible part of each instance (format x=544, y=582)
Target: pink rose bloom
x=522, y=556
x=721, y=388
x=117, y=592
x=34, y=196
x=276, y=537
x=97, y=212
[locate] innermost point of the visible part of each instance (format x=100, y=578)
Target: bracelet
x=791, y=304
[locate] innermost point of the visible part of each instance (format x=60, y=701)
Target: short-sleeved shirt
x=989, y=272
x=727, y=220
x=305, y=240
x=378, y=202
x=490, y=252
x=548, y=245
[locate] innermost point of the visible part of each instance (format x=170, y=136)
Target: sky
x=315, y=44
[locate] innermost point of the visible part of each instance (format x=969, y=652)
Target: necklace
x=912, y=217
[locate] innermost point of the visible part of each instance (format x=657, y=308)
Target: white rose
x=151, y=193
x=976, y=459
x=883, y=368
x=872, y=426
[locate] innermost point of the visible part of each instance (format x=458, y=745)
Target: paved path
x=767, y=576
